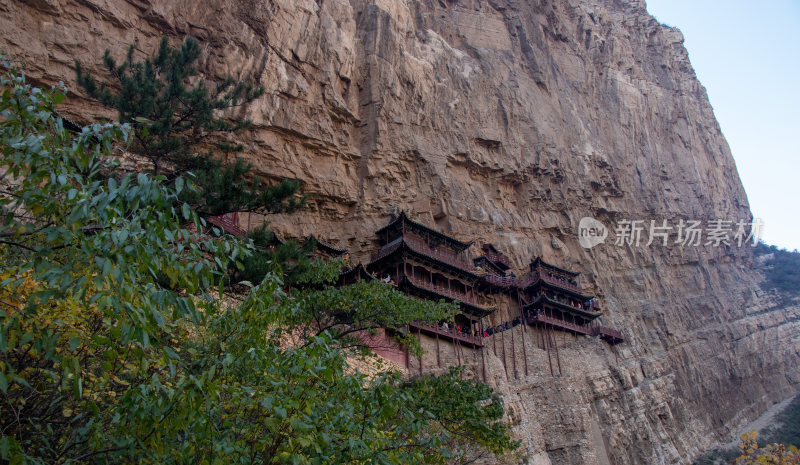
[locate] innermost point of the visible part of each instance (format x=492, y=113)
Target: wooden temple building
x=429, y=264
x=499, y=311
x=551, y=297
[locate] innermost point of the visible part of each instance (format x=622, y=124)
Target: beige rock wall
x=507, y=121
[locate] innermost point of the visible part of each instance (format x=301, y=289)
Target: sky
x=747, y=55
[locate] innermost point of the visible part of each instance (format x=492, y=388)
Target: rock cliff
x=504, y=121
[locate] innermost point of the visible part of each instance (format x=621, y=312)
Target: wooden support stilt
x=513, y=351
x=475, y=348
x=524, y=350
x=503, y=342
x=540, y=332
x=558, y=359
x=483, y=357
x=494, y=344
x=547, y=344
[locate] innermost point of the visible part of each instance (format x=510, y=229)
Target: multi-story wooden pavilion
x=492, y=261
x=429, y=264
x=551, y=296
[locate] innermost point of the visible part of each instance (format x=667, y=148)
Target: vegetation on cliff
x=117, y=346
x=175, y=123
x=782, y=269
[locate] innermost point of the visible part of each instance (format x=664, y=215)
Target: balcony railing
x=497, y=257
x=449, y=258
x=561, y=283
x=555, y=322
x=527, y=281
x=450, y=333
x=558, y=302
x=506, y=282
x=421, y=247
x=608, y=333
x=444, y=291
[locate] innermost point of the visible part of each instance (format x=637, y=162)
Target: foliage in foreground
x=114, y=349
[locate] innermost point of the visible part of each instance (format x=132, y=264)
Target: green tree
x=175, y=125
x=101, y=363
x=294, y=260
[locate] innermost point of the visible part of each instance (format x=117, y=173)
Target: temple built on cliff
x=540, y=308
x=542, y=305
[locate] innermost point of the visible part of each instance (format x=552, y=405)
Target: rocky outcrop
x=505, y=121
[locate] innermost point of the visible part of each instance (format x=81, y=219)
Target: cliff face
x=505, y=121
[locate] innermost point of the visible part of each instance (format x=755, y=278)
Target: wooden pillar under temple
x=524, y=349
x=547, y=344
x=558, y=360
x=483, y=357
x=475, y=333
x=514, y=350
x=494, y=342
x=503, y=342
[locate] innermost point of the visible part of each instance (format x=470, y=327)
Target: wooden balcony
x=561, y=283
x=420, y=247
x=503, y=282
x=468, y=304
x=610, y=335
x=444, y=291
x=451, y=259
x=450, y=334
x=559, y=324
x=538, y=303
x=498, y=258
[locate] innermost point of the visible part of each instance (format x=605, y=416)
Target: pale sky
x=747, y=55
